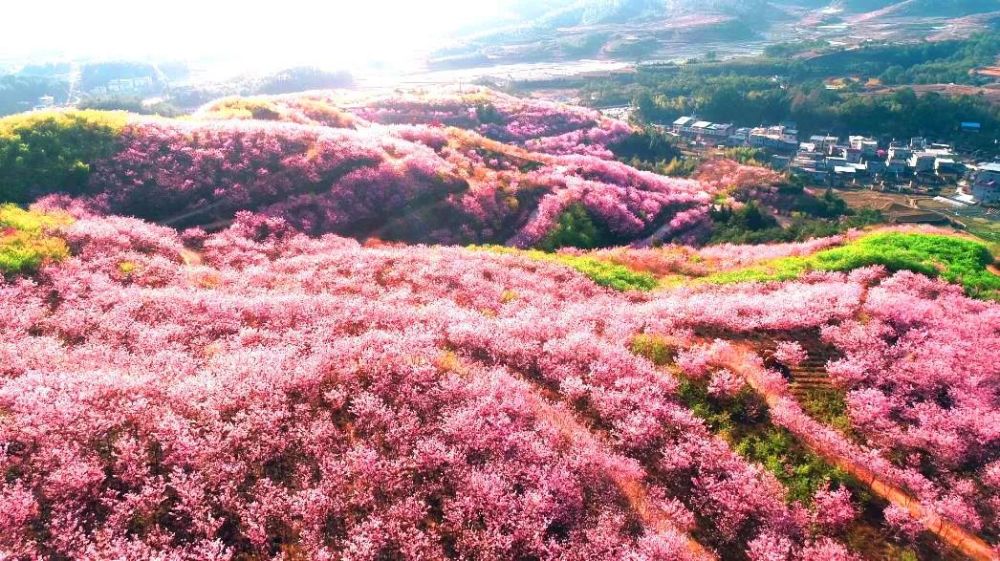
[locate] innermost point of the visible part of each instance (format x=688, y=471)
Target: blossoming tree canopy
x=504, y=170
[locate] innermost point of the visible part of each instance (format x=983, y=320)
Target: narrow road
x=815, y=436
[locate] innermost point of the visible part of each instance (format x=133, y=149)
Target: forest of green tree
x=778, y=87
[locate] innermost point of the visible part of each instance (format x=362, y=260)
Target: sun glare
x=334, y=34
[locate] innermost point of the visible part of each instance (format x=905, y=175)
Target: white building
x=776, y=138
x=867, y=146
x=824, y=143
x=683, y=122
x=899, y=153
x=922, y=162
x=986, y=184
x=947, y=166
x=693, y=128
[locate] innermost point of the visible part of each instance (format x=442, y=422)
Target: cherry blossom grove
x=394, y=171
x=285, y=395
x=264, y=336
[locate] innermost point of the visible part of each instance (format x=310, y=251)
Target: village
x=911, y=181
x=914, y=166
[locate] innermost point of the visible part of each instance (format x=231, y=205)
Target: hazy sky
x=335, y=31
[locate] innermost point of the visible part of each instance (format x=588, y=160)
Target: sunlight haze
x=331, y=34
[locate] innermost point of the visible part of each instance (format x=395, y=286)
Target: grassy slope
x=956, y=260
x=54, y=149
x=24, y=243
x=604, y=273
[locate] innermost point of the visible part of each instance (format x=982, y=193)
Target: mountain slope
x=923, y=8
x=651, y=29
x=472, y=167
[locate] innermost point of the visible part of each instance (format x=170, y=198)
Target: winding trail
x=174, y=220
x=464, y=138
x=885, y=12
x=815, y=436
x=191, y=258
x=547, y=404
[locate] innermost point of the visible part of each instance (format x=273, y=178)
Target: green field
x=954, y=259
x=24, y=242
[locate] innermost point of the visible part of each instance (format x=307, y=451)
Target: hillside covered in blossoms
x=449, y=325
x=446, y=168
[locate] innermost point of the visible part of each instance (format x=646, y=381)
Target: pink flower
x=833, y=509
x=790, y=353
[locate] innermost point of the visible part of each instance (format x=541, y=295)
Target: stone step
x=808, y=392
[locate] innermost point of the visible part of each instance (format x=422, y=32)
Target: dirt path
x=882, y=13
x=515, y=153
x=191, y=258
x=631, y=487
x=814, y=438
x=545, y=403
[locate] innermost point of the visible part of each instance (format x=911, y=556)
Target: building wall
x=982, y=191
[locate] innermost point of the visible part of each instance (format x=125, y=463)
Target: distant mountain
x=629, y=29
x=555, y=30
x=594, y=12
x=923, y=8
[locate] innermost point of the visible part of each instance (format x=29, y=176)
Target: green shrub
x=240, y=108
x=799, y=470
x=610, y=275
x=829, y=407
x=24, y=242
x=53, y=151
x=679, y=167
x=744, y=225
x=746, y=155
x=488, y=114
x=577, y=229
x=649, y=148
x=653, y=348
x=744, y=421
x=956, y=260
x=603, y=273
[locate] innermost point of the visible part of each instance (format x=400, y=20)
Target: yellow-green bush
x=25, y=243
x=604, y=273
x=954, y=259
x=241, y=108
x=54, y=150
